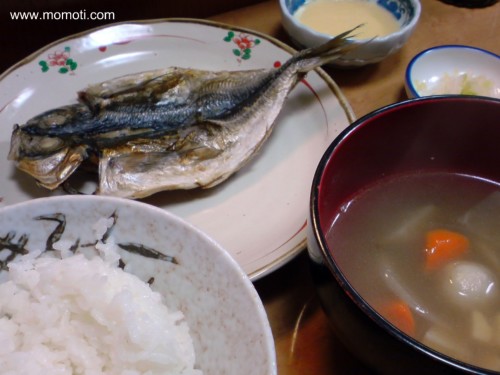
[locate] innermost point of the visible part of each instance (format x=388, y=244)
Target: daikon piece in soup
x=424, y=251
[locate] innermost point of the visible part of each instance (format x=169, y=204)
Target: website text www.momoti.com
x=82, y=15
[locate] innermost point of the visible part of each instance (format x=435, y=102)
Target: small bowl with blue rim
x=453, y=70
x=368, y=50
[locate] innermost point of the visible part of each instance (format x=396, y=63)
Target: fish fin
x=326, y=52
x=126, y=83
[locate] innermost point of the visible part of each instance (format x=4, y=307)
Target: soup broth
x=424, y=251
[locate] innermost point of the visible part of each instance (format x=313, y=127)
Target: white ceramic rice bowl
x=227, y=321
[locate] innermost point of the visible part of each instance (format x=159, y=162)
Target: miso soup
x=424, y=251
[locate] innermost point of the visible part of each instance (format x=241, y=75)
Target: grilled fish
x=166, y=129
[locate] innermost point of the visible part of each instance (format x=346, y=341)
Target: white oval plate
x=259, y=214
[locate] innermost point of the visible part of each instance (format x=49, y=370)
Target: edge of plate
x=293, y=252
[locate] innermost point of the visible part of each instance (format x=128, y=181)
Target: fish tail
x=316, y=56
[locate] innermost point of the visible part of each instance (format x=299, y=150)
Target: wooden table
x=305, y=344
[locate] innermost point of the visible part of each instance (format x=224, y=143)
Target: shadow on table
x=305, y=342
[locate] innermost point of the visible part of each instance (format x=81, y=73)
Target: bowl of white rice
x=100, y=285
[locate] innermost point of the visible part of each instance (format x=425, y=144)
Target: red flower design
x=244, y=42
x=58, y=58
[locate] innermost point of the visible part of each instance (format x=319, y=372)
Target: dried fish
x=172, y=128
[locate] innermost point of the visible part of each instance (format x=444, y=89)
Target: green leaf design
x=72, y=64
x=43, y=65
x=229, y=37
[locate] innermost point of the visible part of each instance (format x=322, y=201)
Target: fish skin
x=167, y=129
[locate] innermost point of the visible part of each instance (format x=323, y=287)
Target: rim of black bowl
x=337, y=273
x=415, y=58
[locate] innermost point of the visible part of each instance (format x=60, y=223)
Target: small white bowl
x=453, y=69
x=369, y=51
x=226, y=318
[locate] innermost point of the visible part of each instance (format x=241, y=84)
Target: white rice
x=74, y=315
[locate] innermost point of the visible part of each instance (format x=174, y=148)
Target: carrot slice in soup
x=443, y=246
x=399, y=314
